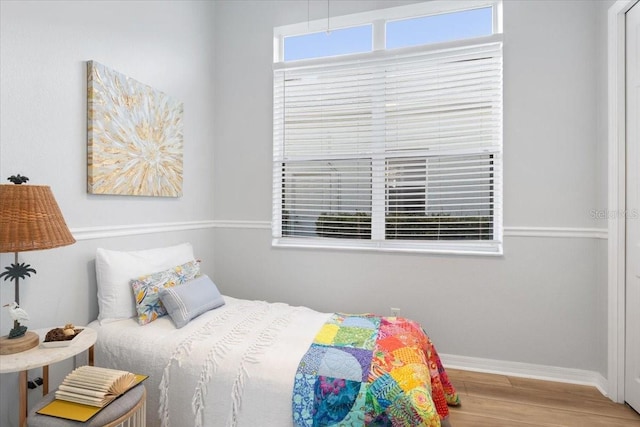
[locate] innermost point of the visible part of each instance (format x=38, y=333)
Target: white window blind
x=399, y=152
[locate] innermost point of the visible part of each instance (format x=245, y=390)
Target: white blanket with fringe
x=232, y=366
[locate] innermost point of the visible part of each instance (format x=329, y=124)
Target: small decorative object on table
x=61, y=337
x=18, y=315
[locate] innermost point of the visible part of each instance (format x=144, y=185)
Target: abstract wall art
x=135, y=136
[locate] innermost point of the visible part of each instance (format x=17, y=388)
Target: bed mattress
x=232, y=366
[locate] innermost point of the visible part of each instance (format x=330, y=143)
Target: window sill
x=489, y=248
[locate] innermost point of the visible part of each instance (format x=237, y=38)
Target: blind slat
x=422, y=131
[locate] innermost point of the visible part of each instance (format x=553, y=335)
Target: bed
x=254, y=363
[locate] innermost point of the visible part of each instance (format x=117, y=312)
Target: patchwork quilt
x=366, y=370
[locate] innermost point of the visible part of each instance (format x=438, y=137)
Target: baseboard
x=527, y=370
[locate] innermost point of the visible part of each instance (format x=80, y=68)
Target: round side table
x=42, y=357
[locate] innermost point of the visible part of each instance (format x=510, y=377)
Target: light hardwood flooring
x=503, y=401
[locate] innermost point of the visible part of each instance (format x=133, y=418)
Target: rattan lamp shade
x=30, y=219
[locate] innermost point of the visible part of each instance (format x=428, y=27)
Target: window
x=440, y=28
x=338, y=42
x=393, y=149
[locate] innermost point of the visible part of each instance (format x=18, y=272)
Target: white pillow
x=114, y=270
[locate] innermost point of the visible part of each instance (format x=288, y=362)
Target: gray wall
x=44, y=47
x=541, y=303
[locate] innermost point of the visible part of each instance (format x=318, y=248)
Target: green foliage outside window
x=406, y=226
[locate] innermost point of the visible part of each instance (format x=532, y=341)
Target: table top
x=40, y=356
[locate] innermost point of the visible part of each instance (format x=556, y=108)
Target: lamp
x=30, y=220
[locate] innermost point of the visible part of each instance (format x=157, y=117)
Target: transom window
x=337, y=42
x=392, y=141
x=444, y=27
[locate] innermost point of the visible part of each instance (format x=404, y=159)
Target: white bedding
x=232, y=366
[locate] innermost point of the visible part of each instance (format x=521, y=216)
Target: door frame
x=616, y=30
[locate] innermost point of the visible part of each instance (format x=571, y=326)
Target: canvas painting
x=135, y=136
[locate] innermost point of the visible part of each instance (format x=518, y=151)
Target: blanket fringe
x=218, y=350
x=259, y=346
x=184, y=349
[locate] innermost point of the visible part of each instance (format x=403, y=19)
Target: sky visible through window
x=440, y=28
x=336, y=42
x=403, y=33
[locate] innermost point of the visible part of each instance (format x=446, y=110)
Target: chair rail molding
x=571, y=232
x=102, y=232
x=107, y=231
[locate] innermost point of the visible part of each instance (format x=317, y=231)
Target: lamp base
x=17, y=345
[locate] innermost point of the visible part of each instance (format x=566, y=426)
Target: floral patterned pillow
x=146, y=289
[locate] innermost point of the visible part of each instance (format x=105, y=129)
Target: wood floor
x=503, y=401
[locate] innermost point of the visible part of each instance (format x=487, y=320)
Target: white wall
x=44, y=47
x=541, y=303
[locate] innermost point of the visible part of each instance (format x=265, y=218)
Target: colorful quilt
x=366, y=370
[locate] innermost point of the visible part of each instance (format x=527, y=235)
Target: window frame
x=378, y=19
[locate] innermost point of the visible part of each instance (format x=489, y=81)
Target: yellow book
x=88, y=404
